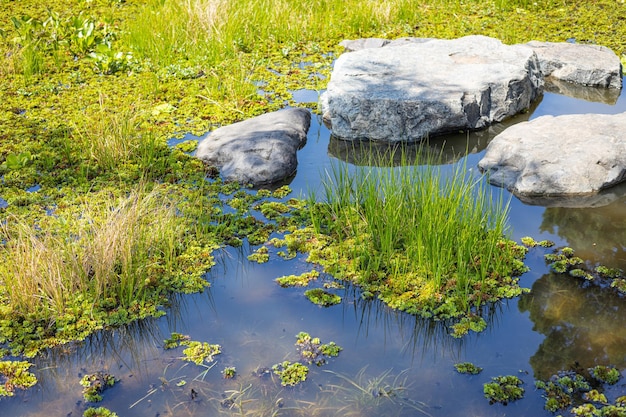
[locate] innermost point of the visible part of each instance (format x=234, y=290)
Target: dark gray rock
x=592, y=65
x=260, y=150
x=559, y=156
x=429, y=87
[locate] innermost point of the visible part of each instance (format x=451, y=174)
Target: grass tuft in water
x=429, y=242
x=113, y=263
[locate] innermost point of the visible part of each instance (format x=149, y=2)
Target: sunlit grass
x=115, y=258
x=429, y=241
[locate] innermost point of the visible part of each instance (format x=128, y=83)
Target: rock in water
x=260, y=150
x=434, y=86
x=591, y=65
x=559, y=156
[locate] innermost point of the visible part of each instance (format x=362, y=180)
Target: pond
x=392, y=364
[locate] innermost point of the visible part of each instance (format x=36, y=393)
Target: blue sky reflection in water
x=561, y=322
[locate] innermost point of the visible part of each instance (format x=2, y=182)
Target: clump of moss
x=605, y=374
x=175, y=340
x=563, y=260
x=503, y=389
x=260, y=255
x=301, y=280
x=471, y=322
x=95, y=384
x=561, y=389
x=290, y=374
x=229, y=372
x=312, y=350
x=99, y=412
x=531, y=243
x=322, y=298
x=15, y=374
x=200, y=352
x=467, y=368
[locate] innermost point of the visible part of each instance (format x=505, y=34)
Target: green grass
x=93, y=90
x=429, y=242
x=114, y=262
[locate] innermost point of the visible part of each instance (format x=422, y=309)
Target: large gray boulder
x=591, y=65
x=429, y=87
x=559, y=156
x=259, y=150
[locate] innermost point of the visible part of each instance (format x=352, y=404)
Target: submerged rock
x=559, y=156
x=426, y=87
x=591, y=65
x=260, y=150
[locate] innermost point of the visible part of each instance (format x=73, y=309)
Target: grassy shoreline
x=92, y=91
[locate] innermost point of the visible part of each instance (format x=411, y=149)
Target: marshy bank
x=91, y=100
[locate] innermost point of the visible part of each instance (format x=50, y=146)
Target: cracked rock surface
x=406, y=91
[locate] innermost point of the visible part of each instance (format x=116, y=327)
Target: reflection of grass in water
x=379, y=395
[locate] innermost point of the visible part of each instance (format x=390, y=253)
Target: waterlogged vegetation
x=453, y=259
x=504, y=389
x=583, y=394
x=15, y=374
x=95, y=384
x=467, y=368
x=102, y=223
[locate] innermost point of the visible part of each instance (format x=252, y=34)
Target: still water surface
x=392, y=363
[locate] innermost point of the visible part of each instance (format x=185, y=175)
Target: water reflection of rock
x=581, y=92
x=597, y=234
x=583, y=324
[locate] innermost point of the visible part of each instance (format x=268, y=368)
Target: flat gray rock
x=592, y=65
x=260, y=150
x=559, y=156
x=429, y=87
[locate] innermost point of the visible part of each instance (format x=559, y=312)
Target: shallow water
x=561, y=322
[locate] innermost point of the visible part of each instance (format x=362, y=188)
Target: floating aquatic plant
x=605, y=374
x=312, y=350
x=200, y=352
x=531, y=243
x=503, y=389
x=175, y=340
x=15, y=374
x=261, y=255
x=301, y=280
x=322, y=298
x=229, y=372
x=290, y=373
x=467, y=368
x=561, y=389
x=99, y=412
x=95, y=384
